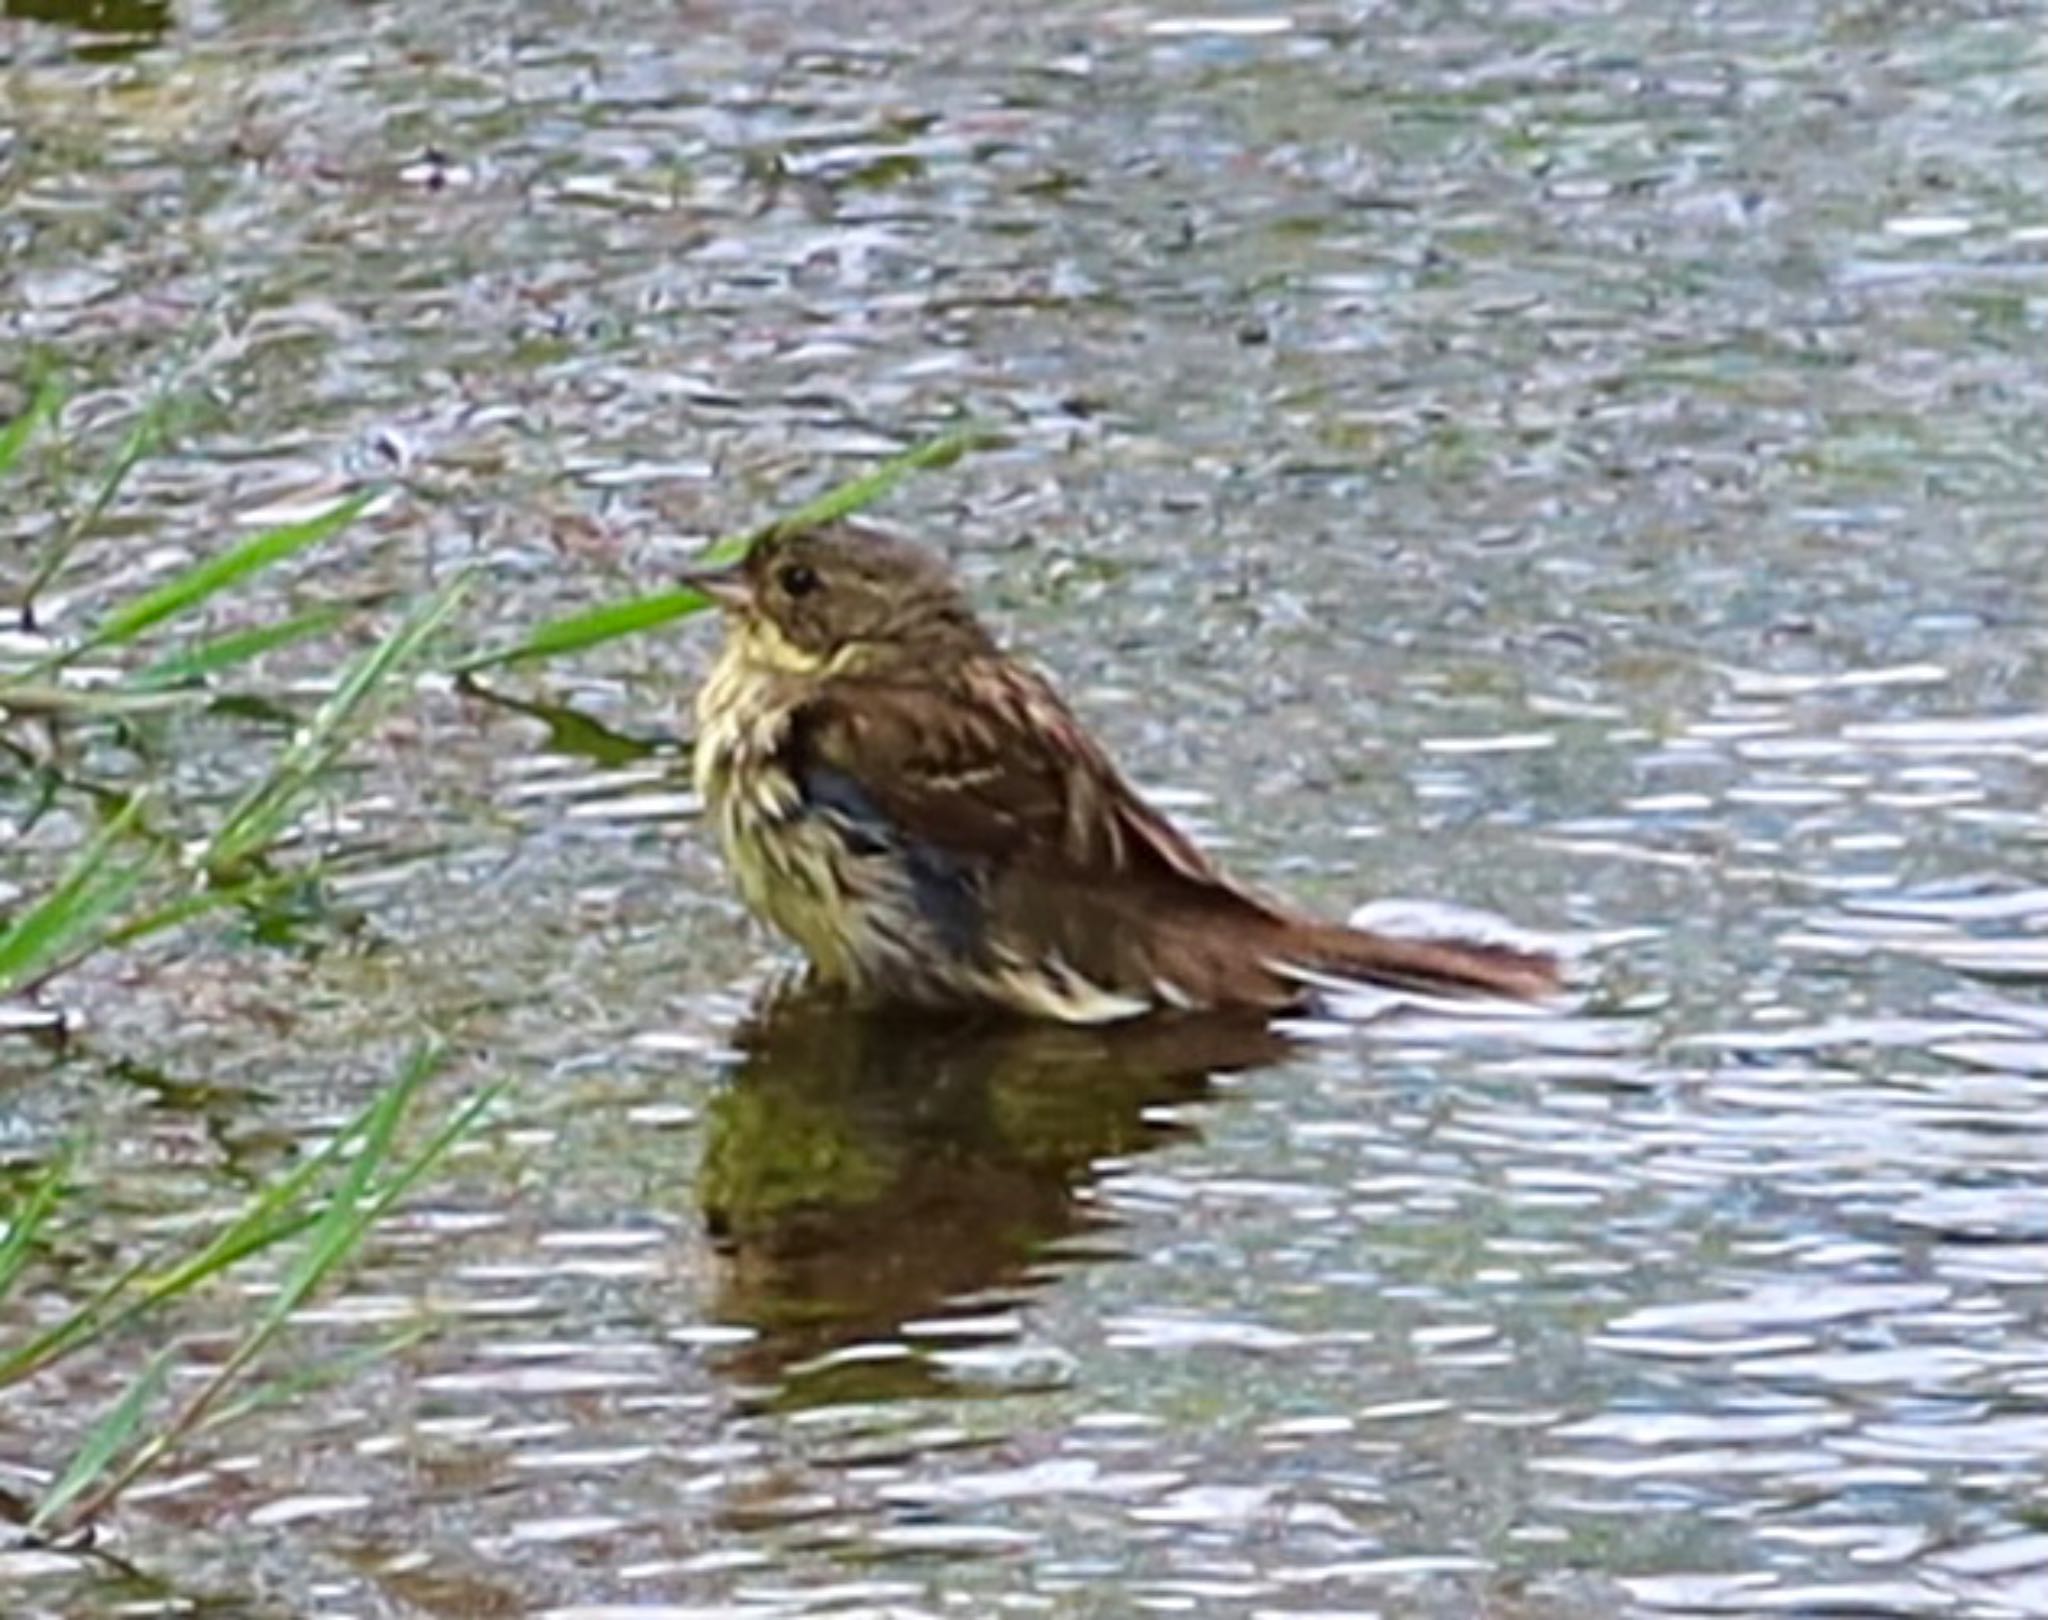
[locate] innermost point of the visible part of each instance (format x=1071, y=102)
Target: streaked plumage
x=925, y=817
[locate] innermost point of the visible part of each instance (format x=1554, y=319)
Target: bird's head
x=842, y=599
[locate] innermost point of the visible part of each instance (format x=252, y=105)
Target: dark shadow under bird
x=867, y=1167
x=927, y=819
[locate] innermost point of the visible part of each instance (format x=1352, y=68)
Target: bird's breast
x=792, y=868
x=872, y=908
x=743, y=716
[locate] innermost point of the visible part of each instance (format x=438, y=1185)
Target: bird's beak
x=726, y=587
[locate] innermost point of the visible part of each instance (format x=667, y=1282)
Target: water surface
x=1578, y=461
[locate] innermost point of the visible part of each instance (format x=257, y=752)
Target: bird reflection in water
x=865, y=1169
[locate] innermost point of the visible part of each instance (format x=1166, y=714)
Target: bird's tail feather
x=1316, y=953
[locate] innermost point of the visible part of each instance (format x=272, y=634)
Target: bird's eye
x=798, y=579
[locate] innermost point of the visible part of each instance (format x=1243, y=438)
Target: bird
x=927, y=819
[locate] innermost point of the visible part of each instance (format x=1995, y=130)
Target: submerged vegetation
x=320, y=1213
x=148, y=866
x=87, y=724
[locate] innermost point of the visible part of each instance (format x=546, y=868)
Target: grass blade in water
x=139, y=441
x=105, y=1441
x=576, y=631
x=212, y=656
x=352, y=1211
x=459, y=1125
x=89, y=702
x=250, y=892
x=97, y=885
x=277, y=1212
x=15, y=436
x=25, y=1219
x=325, y=1374
x=579, y=630
x=263, y=811
x=207, y=578
x=857, y=494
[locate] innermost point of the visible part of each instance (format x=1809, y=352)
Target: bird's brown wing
x=1022, y=842
x=989, y=766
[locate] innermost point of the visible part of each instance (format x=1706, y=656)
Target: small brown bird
x=927, y=819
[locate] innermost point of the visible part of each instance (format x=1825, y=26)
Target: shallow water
x=1583, y=462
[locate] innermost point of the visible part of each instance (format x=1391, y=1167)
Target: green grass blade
x=576, y=631
x=393, y=653
x=272, y=1216
x=137, y=444
x=364, y=1194
x=261, y=814
x=459, y=1125
x=192, y=586
x=368, y=1212
x=15, y=436
x=858, y=494
x=212, y=656
x=250, y=891
x=66, y=918
x=346, y=1220
x=88, y=702
x=339, y=1231
x=140, y=440
x=579, y=630
x=81, y=1327
x=274, y=1212
x=321, y=1375
x=25, y=1220
x=107, y=1439
x=95, y=887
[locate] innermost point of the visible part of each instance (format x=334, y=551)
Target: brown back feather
x=986, y=763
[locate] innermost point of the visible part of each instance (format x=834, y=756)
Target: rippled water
x=1580, y=461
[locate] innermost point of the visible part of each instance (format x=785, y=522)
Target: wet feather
x=928, y=820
